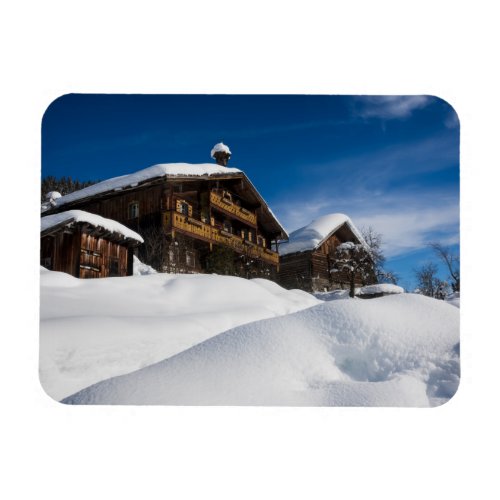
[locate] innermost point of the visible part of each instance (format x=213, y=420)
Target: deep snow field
x=91, y=330
x=220, y=340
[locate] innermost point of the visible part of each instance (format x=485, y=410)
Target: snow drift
x=386, y=288
x=399, y=350
x=91, y=330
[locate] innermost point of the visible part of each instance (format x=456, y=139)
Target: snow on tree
x=374, y=242
x=356, y=261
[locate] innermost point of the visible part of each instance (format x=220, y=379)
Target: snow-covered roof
x=70, y=216
x=132, y=180
x=220, y=147
x=314, y=234
x=167, y=170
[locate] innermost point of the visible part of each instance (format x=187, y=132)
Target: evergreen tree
x=63, y=185
x=221, y=260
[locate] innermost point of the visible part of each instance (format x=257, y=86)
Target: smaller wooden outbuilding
x=86, y=245
x=307, y=260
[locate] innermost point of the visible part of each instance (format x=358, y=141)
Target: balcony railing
x=213, y=234
x=227, y=205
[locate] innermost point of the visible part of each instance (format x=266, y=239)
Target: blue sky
x=390, y=162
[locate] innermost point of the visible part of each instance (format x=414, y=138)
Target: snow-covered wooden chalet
x=307, y=260
x=186, y=213
x=86, y=245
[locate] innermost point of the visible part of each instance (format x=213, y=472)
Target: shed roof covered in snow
x=51, y=223
x=319, y=230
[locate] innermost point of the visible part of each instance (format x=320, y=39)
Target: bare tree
x=452, y=262
x=387, y=276
x=426, y=279
x=374, y=241
x=428, y=282
x=179, y=255
x=153, y=250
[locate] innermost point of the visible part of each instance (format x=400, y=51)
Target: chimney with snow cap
x=221, y=154
x=51, y=197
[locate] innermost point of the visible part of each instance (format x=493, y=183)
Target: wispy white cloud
x=406, y=224
x=413, y=228
x=389, y=107
x=388, y=189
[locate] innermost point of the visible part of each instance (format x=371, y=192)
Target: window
x=190, y=260
x=246, y=234
x=184, y=208
x=113, y=267
x=133, y=210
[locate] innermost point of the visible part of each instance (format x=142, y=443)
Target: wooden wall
x=83, y=255
x=310, y=271
x=62, y=251
x=153, y=201
x=117, y=207
x=101, y=258
x=295, y=271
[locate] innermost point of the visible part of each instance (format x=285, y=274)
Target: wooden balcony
x=226, y=205
x=185, y=224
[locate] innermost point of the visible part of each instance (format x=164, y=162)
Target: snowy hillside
x=219, y=340
x=95, y=329
x=393, y=351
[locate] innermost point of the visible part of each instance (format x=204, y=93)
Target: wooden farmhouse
x=86, y=245
x=307, y=260
x=193, y=217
